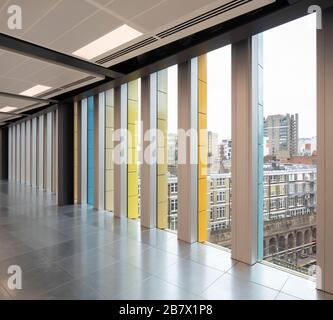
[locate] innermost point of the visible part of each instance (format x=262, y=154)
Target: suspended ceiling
x=68, y=25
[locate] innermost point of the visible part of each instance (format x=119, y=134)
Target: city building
x=282, y=134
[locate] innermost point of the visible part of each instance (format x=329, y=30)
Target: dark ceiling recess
x=51, y=56
x=170, y=49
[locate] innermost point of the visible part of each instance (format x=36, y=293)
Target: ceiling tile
x=89, y=30
x=31, y=11
x=9, y=60
x=64, y=17
x=169, y=11
x=129, y=9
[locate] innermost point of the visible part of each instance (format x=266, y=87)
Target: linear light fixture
x=108, y=42
x=8, y=109
x=34, y=91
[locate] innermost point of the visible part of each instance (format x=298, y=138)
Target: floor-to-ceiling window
x=170, y=129
x=219, y=147
x=289, y=146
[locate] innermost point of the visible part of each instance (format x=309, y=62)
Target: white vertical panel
x=18, y=153
x=123, y=150
x=23, y=152
x=49, y=152
x=10, y=174
x=28, y=153
x=40, y=151
x=34, y=153
x=101, y=148
x=84, y=150
x=14, y=153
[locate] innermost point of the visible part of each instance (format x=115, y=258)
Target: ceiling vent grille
x=129, y=49
x=76, y=83
x=49, y=93
x=203, y=17
x=67, y=86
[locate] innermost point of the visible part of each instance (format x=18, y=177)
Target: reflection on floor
x=75, y=252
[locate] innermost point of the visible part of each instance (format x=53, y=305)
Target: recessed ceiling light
x=108, y=42
x=35, y=90
x=8, y=109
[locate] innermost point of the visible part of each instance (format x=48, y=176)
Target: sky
x=289, y=79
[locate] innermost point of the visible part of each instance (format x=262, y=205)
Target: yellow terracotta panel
x=202, y=108
x=162, y=105
x=202, y=226
x=132, y=136
x=162, y=157
x=109, y=154
x=202, y=68
x=132, y=160
x=162, y=215
x=132, y=111
x=109, y=117
x=203, y=163
x=162, y=80
x=109, y=200
x=162, y=186
x=202, y=195
x=132, y=207
x=133, y=89
x=109, y=180
x=109, y=98
x=162, y=168
x=132, y=184
x=108, y=138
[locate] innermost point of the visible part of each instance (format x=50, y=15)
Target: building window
x=174, y=187
x=221, y=196
x=174, y=205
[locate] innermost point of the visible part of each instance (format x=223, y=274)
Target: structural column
x=34, y=158
x=99, y=147
x=325, y=153
x=245, y=152
x=77, y=152
x=49, y=148
x=28, y=153
x=149, y=166
x=132, y=143
x=188, y=151
x=120, y=151
x=84, y=150
x=4, y=154
x=23, y=152
x=65, y=129
x=109, y=158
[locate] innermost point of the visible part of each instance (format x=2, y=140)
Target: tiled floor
x=79, y=253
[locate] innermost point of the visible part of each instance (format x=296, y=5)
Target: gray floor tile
x=26, y=262
x=125, y=248
x=302, y=288
x=228, y=287
x=40, y=280
x=115, y=279
x=73, y=290
x=190, y=276
x=153, y=260
x=260, y=274
x=284, y=296
x=166, y=241
x=86, y=262
x=211, y=257
x=4, y=295
x=156, y=289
